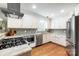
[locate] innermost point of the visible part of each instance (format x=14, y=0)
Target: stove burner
x=11, y=42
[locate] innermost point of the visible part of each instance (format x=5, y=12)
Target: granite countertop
x=15, y=50
x=29, y=34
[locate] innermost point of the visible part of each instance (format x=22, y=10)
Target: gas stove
x=11, y=42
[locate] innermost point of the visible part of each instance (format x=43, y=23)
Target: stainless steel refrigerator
x=71, y=35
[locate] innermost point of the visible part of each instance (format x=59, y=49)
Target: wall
x=4, y=5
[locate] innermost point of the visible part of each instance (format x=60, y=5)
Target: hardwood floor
x=50, y=49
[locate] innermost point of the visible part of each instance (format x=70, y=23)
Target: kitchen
x=37, y=25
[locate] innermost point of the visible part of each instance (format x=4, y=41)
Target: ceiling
x=47, y=9
x=50, y=9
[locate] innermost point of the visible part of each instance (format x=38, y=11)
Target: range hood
x=10, y=11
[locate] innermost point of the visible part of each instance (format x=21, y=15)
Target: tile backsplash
x=25, y=31
x=58, y=31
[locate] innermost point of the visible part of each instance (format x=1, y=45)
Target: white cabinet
x=59, y=39
x=46, y=38
x=58, y=23
x=29, y=22
x=14, y=23
x=49, y=22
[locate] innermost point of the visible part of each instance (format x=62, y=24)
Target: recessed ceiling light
x=52, y=15
x=34, y=6
x=62, y=11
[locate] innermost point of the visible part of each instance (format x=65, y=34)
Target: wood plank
x=50, y=49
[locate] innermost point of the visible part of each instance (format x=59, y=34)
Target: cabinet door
x=14, y=23
x=34, y=23
x=29, y=21
x=46, y=38
x=61, y=24
x=59, y=40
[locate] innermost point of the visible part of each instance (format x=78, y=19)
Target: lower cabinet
x=39, y=39
x=59, y=39
x=46, y=38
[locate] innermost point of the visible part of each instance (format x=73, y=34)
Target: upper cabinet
x=29, y=21
x=58, y=23
x=14, y=23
